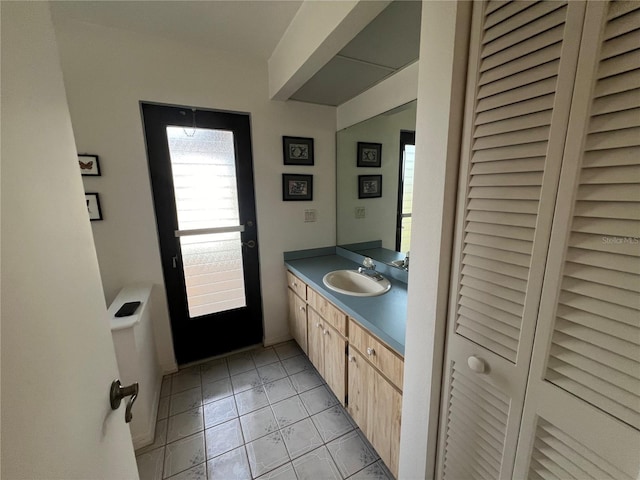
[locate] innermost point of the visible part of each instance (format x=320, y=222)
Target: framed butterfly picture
x=89, y=165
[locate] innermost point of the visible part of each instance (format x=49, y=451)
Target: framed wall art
x=369, y=186
x=297, y=150
x=297, y=187
x=369, y=154
x=89, y=165
x=93, y=206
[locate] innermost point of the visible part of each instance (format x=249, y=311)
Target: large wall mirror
x=374, y=202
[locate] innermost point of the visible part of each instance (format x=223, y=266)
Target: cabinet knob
x=476, y=364
x=318, y=325
x=325, y=332
x=302, y=308
x=352, y=359
x=370, y=351
x=294, y=284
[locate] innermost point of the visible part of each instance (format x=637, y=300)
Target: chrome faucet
x=368, y=268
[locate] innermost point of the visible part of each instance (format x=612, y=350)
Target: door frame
x=224, y=337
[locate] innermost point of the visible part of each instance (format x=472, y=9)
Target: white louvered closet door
x=582, y=412
x=523, y=57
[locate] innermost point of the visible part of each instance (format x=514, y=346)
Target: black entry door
x=201, y=170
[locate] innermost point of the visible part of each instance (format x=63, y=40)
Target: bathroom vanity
x=355, y=343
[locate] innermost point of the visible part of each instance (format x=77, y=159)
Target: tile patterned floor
x=263, y=414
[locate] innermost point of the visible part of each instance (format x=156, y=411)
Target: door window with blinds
x=205, y=188
x=201, y=168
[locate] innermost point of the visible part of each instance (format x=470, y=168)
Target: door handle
x=118, y=392
x=476, y=364
x=250, y=244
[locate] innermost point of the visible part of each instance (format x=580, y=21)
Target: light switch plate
x=361, y=212
x=310, y=215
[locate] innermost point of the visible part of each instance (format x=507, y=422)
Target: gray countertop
x=385, y=315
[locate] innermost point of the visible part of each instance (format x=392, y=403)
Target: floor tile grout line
x=271, y=404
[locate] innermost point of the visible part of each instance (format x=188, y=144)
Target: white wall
x=443, y=60
x=381, y=213
x=107, y=72
x=398, y=89
x=57, y=355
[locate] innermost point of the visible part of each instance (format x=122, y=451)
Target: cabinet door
x=315, y=340
x=298, y=319
x=376, y=406
x=359, y=380
x=335, y=361
x=384, y=414
x=582, y=411
x=522, y=62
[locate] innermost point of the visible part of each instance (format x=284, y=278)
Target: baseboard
x=148, y=437
x=274, y=340
x=169, y=368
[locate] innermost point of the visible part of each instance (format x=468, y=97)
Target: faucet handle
x=368, y=263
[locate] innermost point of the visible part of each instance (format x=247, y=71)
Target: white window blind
x=206, y=195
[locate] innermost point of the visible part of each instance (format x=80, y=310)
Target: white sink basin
x=350, y=282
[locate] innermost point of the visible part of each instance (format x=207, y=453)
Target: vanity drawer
x=327, y=311
x=297, y=285
x=382, y=357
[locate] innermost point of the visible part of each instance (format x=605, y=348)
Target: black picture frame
x=89, y=165
x=369, y=154
x=296, y=187
x=369, y=186
x=93, y=206
x=297, y=150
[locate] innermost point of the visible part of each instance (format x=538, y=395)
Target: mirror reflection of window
x=405, y=191
x=376, y=221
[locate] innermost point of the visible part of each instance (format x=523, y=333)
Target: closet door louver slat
x=477, y=417
x=612, y=191
x=522, y=63
x=582, y=411
x=517, y=137
x=575, y=458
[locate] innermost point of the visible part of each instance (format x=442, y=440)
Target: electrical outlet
x=361, y=212
x=310, y=215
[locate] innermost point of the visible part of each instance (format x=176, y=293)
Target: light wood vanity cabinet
x=327, y=351
x=328, y=311
x=389, y=363
x=321, y=331
x=297, y=285
x=375, y=392
x=297, y=293
x=371, y=379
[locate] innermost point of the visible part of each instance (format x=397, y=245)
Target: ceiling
x=254, y=28
x=247, y=27
x=389, y=43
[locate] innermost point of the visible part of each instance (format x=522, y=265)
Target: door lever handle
x=118, y=392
